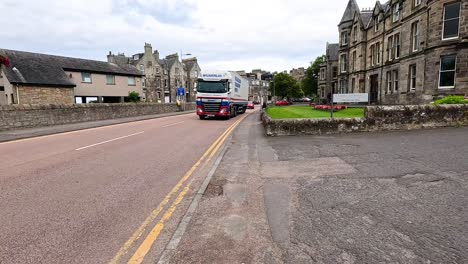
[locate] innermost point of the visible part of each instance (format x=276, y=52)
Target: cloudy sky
x=272, y=35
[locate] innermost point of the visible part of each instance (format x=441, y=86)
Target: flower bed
x=328, y=107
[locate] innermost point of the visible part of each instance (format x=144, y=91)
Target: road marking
x=107, y=141
x=145, y=247
x=137, y=234
x=174, y=124
x=154, y=234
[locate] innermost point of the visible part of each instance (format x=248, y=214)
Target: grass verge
x=279, y=112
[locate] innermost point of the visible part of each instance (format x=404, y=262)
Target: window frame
x=396, y=11
x=353, y=63
x=390, y=46
x=107, y=80
x=415, y=30
x=396, y=81
x=355, y=28
x=83, y=78
x=344, y=40
x=397, y=45
x=377, y=52
x=416, y=3
x=443, y=21
x=454, y=72
x=412, y=76
x=372, y=54
x=343, y=62
x=131, y=78
x=376, y=23
x=389, y=76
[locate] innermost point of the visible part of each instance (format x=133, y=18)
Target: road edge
x=173, y=244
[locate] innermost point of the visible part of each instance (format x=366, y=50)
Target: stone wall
x=45, y=95
x=377, y=118
x=24, y=116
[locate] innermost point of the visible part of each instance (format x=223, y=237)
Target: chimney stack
x=148, y=49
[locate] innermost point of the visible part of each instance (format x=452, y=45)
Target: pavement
x=112, y=194
x=390, y=197
x=9, y=135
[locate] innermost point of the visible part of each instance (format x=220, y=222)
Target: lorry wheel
x=202, y=117
x=235, y=111
x=243, y=110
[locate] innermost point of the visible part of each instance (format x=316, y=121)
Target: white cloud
x=241, y=34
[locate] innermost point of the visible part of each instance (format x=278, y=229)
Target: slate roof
x=42, y=69
x=366, y=17
x=171, y=60
x=189, y=63
x=350, y=10
x=332, y=51
x=163, y=63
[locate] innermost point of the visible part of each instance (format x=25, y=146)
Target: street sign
x=351, y=98
x=180, y=91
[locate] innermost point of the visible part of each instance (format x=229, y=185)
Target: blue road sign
x=180, y=91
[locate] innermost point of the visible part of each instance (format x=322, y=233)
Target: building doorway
x=374, y=88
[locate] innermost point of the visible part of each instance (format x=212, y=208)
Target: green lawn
x=278, y=112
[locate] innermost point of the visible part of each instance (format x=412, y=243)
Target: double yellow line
x=145, y=246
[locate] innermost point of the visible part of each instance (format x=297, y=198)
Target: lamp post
x=188, y=76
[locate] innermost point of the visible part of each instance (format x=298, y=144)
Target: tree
x=134, y=97
x=310, y=82
x=285, y=86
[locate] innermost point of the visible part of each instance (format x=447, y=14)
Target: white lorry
x=221, y=94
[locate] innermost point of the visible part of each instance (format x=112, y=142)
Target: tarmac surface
x=393, y=197
x=94, y=195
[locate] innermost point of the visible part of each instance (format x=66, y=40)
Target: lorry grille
x=211, y=107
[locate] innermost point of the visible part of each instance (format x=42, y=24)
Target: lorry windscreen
x=212, y=86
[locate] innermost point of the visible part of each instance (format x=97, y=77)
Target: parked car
x=256, y=102
x=250, y=105
x=306, y=99
x=282, y=102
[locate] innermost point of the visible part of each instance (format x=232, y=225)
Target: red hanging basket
x=5, y=61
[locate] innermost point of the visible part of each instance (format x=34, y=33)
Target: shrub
x=134, y=97
x=452, y=99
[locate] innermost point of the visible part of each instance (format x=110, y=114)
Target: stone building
x=298, y=74
x=328, y=76
x=33, y=78
x=192, y=70
x=149, y=64
x=259, y=81
x=404, y=52
x=162, y=76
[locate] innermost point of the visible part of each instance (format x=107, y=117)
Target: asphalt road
x=78, y=197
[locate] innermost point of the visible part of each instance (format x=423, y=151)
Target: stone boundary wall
x=28, y=116
x=377, y=118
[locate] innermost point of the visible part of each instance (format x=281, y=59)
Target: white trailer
x=221, y=94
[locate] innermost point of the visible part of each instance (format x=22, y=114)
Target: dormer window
x=396, y=12
x=344, y=38
x=376, y=23
x=355, y=33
